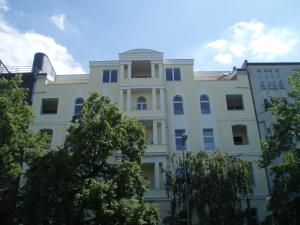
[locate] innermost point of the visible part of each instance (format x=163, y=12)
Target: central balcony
x=143, y=103
x=141, y=73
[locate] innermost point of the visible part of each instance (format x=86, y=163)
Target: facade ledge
x=141, y=82
x=146, y=114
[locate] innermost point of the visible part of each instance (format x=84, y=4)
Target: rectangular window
x=253, y=216
x=252, y=178
x=234, y=102
x=114, y=76
x=105, y=76
x=178, y=108
x=278, y=80
x=49, y=105
x=261, y=80
x=208, y=139
x=267, y=104
x=110, y=76
x=240, y=136
x=173, y=74
x=178, y=139
x=49, y=133
x=169, y=76
x=177, y=74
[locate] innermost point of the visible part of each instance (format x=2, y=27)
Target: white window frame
x=205, y=137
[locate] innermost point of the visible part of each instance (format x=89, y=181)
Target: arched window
x=141, y=103
x=204, y=104
x=78, y=108
x=240, y=136
x=178, y=105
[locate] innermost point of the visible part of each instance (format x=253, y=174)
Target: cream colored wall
x=220, y=119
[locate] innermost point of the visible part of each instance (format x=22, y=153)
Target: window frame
x=110, y=76
x=234, y=109
x=177, y=112
x=78, y=115
x=206, y=137
x=179, y=138
x=244, y=142
x=42, y=104
x=204, y=102
x=175, y=74
x=142, y=104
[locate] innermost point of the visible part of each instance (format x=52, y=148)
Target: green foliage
x=216, y=183
x=95, y=178
x=281, y=153
x=15, y=117
x=15, y=139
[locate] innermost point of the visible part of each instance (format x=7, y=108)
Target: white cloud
x=59, y=21
x=223, y=58
x=4, y=5
x=253, y=40
x=220, y=44
x=18, y=48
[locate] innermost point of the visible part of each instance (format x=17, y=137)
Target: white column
x=154, y=99
x=156, y=175
x=154, y=132
x=122, y=71
x=152, y=70
x=163, y=132
x=121, y=100
x=128, y=99
x=160, y=70
x=162, y=99
x=129, y=70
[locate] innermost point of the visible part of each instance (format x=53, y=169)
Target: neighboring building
x=41, y=65
x=215, y=110
x=267, y=80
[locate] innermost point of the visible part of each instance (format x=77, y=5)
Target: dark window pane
x=177, y=98
x=114, y=76
x=177, y=74
x=78, y=109
x=178, y=139
x=105, y=76
x=79, y=101
x=205, y=109
x=234, y=102
x=178, y=108
x=204, y=98
x=49, y=105
x=169, y=76
x=238, y=140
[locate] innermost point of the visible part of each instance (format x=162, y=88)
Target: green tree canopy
x=281, y=153
x=216, y=183
x=95, y=178
x=15, y=139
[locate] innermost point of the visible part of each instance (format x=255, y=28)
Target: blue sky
x=218, y=34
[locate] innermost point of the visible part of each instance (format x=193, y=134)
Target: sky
x=217, y=34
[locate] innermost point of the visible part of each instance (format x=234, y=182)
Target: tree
x=216, y=184
x=15, y=139
x=95, y=178
x=281, y=153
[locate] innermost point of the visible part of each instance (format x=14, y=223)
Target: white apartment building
x=215, y=109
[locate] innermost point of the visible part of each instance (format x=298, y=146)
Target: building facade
x=215, y=110
x=268, y=80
